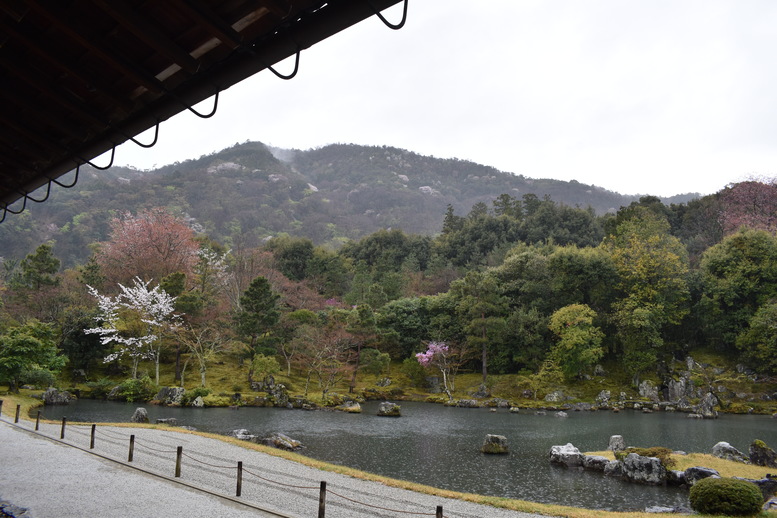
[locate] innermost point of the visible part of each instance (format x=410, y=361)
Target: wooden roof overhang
x=80, y=77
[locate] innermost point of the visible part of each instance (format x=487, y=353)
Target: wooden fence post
x=18, y=409
x=322, y=500
x=178, y=454
x=131, y=448
x=239, y=478
x=91, y=439
x=62, y=432
x=438, y=514
x=37, y=421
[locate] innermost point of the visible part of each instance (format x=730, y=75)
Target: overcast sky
x=637, y=96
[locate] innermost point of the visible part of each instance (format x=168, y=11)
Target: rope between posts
x=207, y=464
x=138, y=443
x=110, y=434
x=329, y=491
x=279, y=483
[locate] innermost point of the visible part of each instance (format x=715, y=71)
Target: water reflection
x=439, y=446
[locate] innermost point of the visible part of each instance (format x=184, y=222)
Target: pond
x=439, y=446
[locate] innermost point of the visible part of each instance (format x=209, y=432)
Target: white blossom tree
x=134, y=322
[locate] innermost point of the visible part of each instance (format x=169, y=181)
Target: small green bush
x=137, y=389
x=39, y=378
x=100, y=389
x=191, y=395
x=661, y=453
x=726, y=496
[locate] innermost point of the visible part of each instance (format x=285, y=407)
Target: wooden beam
x=145, y=31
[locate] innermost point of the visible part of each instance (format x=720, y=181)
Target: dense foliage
x=517, y=284
x=726, y=496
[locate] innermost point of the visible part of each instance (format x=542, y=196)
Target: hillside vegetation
x=356, y=271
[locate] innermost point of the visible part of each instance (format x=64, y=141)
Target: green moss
x=726, y=496
x=661, y=453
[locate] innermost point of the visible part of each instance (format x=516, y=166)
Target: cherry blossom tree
x=150, y=245
x=438, y=355
x=751, y=204
x=134, y=322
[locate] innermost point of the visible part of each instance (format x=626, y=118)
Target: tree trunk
x=177, y=362
x=352, y=387
x=202, y=376
x=485, y=352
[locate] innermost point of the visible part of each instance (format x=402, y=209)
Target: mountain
x=248, y=192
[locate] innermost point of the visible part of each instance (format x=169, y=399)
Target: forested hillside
x=523, y=286
x=246, y=194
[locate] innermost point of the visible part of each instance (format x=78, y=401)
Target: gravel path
x=55, y=480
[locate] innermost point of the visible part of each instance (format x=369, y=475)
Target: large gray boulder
x=140, y=416
x=725, y=451
x=387, y=409
x=762, y=455
x=613, y=468
x=494, y=444
x=555, y=397
x=170, y=395
x=643, y=470
x=198, y=402
x=648, y=390
x=706, y=407
x=53, y=396
x=566, y=455
x=595, y=462
x=696, y=473
x=617, y=443
x=282, y=442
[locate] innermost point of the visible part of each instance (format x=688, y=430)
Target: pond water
x=439, y=446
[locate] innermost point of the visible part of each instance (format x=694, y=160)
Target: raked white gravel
x=56, y=480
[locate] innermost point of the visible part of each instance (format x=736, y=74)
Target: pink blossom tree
x=438, y=355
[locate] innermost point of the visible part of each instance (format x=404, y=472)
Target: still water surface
x=439, y=446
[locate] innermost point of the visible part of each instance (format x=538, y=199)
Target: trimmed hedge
x=727, y=496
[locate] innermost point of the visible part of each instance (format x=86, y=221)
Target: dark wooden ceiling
x=80, y=77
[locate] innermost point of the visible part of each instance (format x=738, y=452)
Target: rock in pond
x=494, y=444
x=169, y=421
x=762, y=455
x=725, y=451
x=350, y=407
x=198, y=402
x=388, y=409
x=566, y=455
x=595, y=462
x=242, y=434
x=53, y=396
x=170, y=395
x=643, y=470
x=616, y=443
x=282, y=442
x=696, y=473
x=140, y=416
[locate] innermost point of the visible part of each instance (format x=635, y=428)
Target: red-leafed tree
x=149, y=245
x=751, y=204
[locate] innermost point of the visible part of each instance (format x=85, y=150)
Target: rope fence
x=238, y=466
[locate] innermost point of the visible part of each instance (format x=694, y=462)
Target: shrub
x=191, y=395
x=727, y=496
x=214, y=400
x=100, y=389
x=661, y=453
x=39, y=378
x=137, y=389
x=414, y=372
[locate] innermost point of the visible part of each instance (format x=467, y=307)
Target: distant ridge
x=249, y=192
